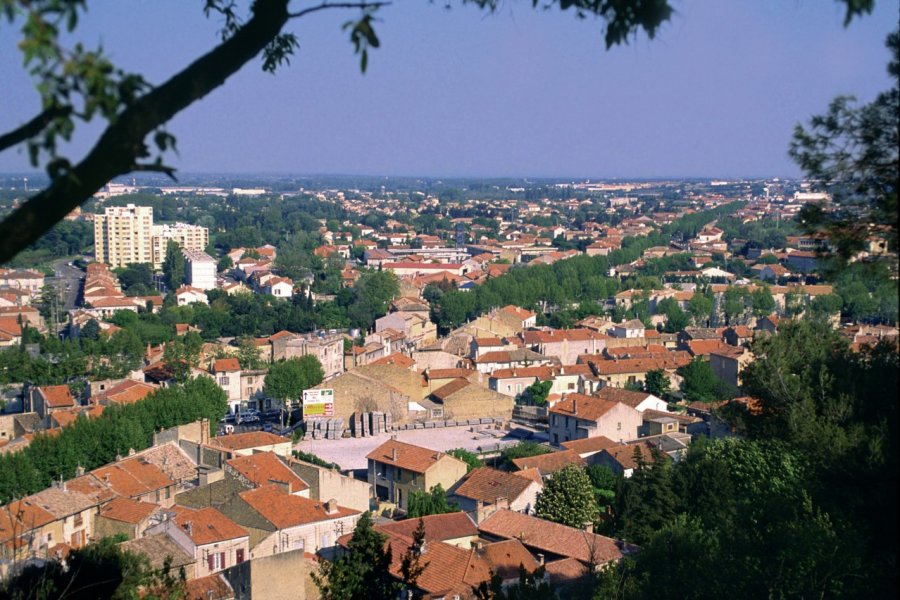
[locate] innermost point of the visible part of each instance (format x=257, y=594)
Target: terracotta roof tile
x=132, y=477
x=128, y=510
x=251, y=439
x=589, y=445
x=624, y=454
x=398, y=359
x=409, y=457
x=207, y=525
x=551, y=537
x=629, y=397
x=551, y=462
x=265, y=468
x=226, y=365
x=581, y=406
x=448, y=389
x=507, y=557
x=283, y=510
x=531, y=474
x=448, y=526
x=211, y=587
x=57, y=396
x=487, y=485
x=432, y=374
x=126, y=392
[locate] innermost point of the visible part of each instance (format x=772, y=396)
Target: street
x=67, y=279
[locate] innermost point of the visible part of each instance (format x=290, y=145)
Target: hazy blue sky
x=517, y=93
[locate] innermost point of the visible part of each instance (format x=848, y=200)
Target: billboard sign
x=318, y=403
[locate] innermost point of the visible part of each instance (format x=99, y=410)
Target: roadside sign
x=318, y=403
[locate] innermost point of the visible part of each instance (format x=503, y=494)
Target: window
x=239, y=556
x=249, y=380
x=215, y=561
x=619, y=426
x=223, y=381
x=79, y=520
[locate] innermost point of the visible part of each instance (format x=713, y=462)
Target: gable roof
x=487, y=485
x=552, y=537
x=397, y=359
x=226, y=365
x=506, y=557
x=623, y=454
x=412, y=458
x=264, y=468
x=581, y=406
x=125, y=392
x=550, y=463
x=132, y=477
x=57, y=396
x=448, y=389
x=127, y=510
x=629, y=397
x=284, y=510
x=207, y=525
x=447, y=526
x=589, y=445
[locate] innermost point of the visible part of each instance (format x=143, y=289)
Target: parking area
x=350, y=453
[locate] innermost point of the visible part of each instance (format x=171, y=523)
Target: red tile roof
x=126, y=392
x=207, y=525
x=624, y=454
x=226, y=365
x=488, y=485
x=629, y=397
x=448, y=389
x=283, y=510
x=550, y=463
x=128, y=510
x=398, y=359
x=580, y=406
x=409, y=457
x=265, y=468
x=57, y=396
x=551, y=537
x=133, y=477
x=589, y=445
x=250, y=439
x=448, y=526
x=211, y=587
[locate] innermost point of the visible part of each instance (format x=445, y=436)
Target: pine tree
x=411, y=566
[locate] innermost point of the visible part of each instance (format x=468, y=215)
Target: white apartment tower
x=123, y=235
x=189, y=237
x=199, y=269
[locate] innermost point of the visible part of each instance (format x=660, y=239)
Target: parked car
x=248, y=416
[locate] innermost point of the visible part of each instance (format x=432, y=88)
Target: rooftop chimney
x=79, y=471
x=540, y=558
x=394, y=454
x=588, y=526
x=331, y=506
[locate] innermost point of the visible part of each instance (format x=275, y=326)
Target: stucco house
x=578, y=416
x=396, y=469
